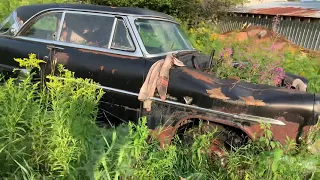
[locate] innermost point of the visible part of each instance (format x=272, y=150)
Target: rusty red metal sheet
x=286, y=11
x=298, y=9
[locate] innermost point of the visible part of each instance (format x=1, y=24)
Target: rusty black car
x=117, y=46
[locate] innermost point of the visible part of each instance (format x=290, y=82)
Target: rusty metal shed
x=299, y=22
x=300, y=9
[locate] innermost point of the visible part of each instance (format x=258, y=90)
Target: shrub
x=7, y=6
x=52, y=130
x=193, y=10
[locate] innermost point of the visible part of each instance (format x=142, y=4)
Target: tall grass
x=50, y=133
x=49, y=129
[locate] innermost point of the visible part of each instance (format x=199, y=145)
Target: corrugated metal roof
x=301, y=9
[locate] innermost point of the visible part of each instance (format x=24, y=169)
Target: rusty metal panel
x=287, y=11
x=297, y=9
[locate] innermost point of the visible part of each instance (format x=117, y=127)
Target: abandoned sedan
x=130, y=52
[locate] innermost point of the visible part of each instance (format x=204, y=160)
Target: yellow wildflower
x=213, y=37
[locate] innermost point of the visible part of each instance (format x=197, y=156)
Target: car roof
x=26, y=12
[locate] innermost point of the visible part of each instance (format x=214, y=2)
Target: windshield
x=162, y=36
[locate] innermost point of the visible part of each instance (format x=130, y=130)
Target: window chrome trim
x=78, y=46
x=60, y=26
x=16, y=25
x=89, y=13
x=141, y=44
x=115, y=22
x=136, y=53
x=155, y=18
x=130, y=35
x=31, y=21
x=96, y=12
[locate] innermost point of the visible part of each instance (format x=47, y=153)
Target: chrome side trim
x=137, y=53
x=243, y=117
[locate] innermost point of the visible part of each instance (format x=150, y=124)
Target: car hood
x=237, y=97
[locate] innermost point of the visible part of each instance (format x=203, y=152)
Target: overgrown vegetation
x=262, y=63
x=52, y=134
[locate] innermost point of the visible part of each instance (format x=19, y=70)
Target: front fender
x=294, y=108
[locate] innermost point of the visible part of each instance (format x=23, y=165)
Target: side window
x=122, y=39
x=6, y=25
x=46, y=27
x=87, y=29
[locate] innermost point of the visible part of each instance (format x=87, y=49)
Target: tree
x=192, y=10
x=7, y=6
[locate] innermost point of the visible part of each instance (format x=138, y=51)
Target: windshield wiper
x=183, y=52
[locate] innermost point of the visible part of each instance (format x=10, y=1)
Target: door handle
x=52, y=47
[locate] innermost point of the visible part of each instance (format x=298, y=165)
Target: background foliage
x=7, y=6
x=193, y=11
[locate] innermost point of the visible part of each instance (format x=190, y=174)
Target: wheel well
x=196, y=122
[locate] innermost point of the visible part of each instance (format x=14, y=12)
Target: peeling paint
x=61, y=57
x=237, y=78
x=253, y=102
x=216, y=93
x=163, y=135
x=101, y=68
x=198, y=75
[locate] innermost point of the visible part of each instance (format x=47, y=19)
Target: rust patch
x=286, y=11
x=163, y=135
x=198, y=75
x=108, y=54
x=101, y=68
x=305, y=132
x=280, y=133
x=253, y=102
x=113, y=71
x=237, y=78
x=61, y=57
x=217, y=93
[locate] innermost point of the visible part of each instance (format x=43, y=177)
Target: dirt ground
x=261, y=34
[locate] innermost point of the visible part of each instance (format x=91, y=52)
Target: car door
x=33, y=38
x=100, y=47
